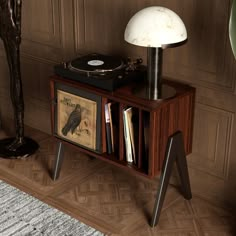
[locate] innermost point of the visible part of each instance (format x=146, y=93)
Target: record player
x=102, y=71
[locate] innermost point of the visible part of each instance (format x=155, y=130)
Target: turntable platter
x=96, y=63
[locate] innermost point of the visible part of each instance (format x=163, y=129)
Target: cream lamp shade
x=156, y=28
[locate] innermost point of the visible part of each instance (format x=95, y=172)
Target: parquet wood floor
x=108, y=198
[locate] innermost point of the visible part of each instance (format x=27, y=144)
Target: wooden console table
x=164, y=130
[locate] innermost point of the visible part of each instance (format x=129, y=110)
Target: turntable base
x=101, y=71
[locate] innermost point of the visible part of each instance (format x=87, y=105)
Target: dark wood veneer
x=164, y=117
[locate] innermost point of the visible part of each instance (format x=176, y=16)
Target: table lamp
x=156, y=28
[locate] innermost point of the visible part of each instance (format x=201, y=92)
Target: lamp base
x=146, y=92
x=26, y=149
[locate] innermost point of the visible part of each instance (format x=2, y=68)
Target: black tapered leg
x=58, y=161
x=182, y=167
x=174, y=152
x=164, y=181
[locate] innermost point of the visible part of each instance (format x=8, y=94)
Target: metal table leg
x=58, y=161
x=174, y=152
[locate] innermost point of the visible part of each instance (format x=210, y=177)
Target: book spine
x=128, y=148
x=129, y=113
x=111, y=125
x=108, y=130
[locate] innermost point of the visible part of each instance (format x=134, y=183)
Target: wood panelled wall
x=58, y=30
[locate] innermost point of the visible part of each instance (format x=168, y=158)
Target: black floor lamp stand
x=10, y=33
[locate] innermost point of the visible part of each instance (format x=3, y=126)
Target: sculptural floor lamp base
x=10, y=33
x=26, y=149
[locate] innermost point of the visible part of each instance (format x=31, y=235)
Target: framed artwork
x=78, y=117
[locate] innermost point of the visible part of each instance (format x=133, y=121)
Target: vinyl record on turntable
x=96, y=63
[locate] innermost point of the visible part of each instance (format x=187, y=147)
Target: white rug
x=22, y=214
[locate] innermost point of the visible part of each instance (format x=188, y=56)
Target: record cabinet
x=155, y=122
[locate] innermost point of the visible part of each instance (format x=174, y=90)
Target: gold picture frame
x=77, y=117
